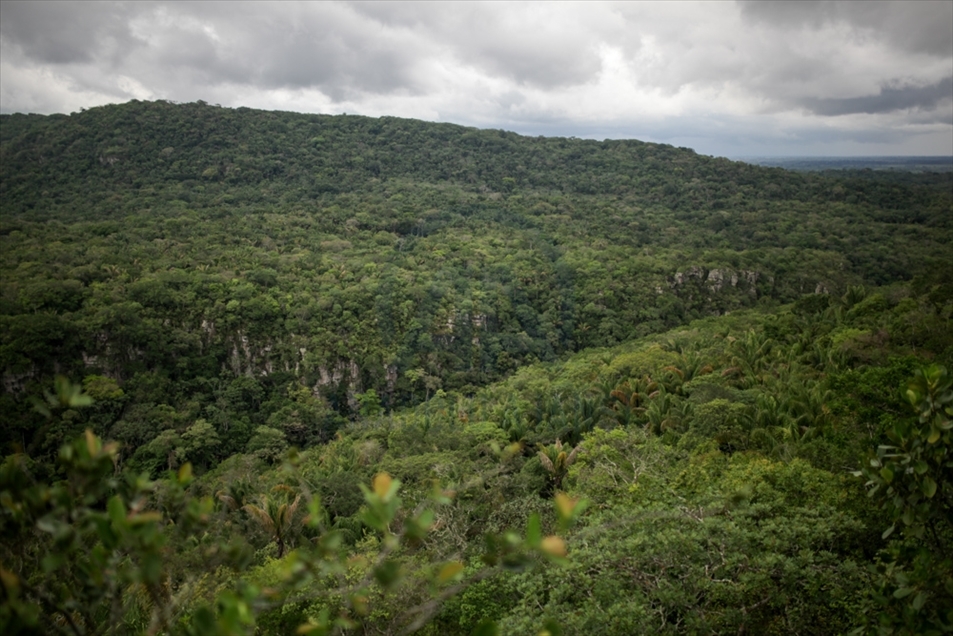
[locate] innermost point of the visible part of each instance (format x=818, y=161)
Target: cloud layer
x=732, y=79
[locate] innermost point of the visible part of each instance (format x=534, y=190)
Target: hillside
x=702, y=479
x=195, y=242
x=334, y=371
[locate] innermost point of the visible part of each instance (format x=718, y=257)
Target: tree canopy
x=270, y=371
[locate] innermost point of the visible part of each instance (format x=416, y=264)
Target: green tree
x=267, y=443
x=165, y=449
x=370, y=403
x=200, y=443
x=276, y=515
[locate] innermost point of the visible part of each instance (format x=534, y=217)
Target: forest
x=273, y=373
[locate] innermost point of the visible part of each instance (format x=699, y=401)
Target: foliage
x=438, y=379
x=912, y=480
x=85, y=554
x=221, y=261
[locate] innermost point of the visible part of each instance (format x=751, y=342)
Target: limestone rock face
x=717, y=279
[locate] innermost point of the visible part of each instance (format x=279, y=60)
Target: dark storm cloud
x=888, y=100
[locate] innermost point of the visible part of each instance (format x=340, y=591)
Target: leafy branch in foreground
x=386, y=570
x=84, y=555
x=912, y=481
x=89, y=554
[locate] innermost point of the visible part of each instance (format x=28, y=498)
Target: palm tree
x=665, y=412
x=750, y=356
x=547, y=408
x=603, y=390
x=276, y=517
x=807, y=406
x=624, y=414
x=691, y=365
x=770, y=426
x=586, y=415
x=235, y=494
x=557, y=461
x=635, y=392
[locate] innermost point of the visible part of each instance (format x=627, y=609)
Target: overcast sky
x=731, y=79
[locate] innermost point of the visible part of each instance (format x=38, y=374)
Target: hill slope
x=206, y=255
x=228, y=284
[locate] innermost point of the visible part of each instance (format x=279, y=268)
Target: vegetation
x=383, y=376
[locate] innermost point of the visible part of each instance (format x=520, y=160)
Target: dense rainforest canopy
x=693, y=356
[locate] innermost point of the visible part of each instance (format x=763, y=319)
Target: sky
x=727, y=79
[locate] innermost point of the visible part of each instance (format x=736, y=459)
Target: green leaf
x=117, y=511
x=449, y=571
x=371, y=519
x=907, y=516
x=387, y=574
x=151, y=568
x=903, y=592
x=552, y=628
x=80, y=400
x=889, y=531
x=886, y=474
x=40, y=407
x=534, y=530
x=425, y=519
x=144, y=518
x=331, y=541
x=52, y=561
x=486, y=627
x=48, y=524
x=912, y=396
x=105, y=531
x=919, y=601
x=203, y=621
x=928, y=486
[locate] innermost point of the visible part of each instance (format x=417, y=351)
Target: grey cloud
x=68, y=32
x=376, y=47
x=527, y=43
x=342, y=50
x=322, y=46
x=915, y=26
x=890, y=98
x=738, y=136
x=688, y=69
x=530, y=54
x=327, y=47
x=319, y=46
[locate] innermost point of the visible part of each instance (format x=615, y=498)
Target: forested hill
x=140, y=145
x=208, y=258
x=263, y=331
